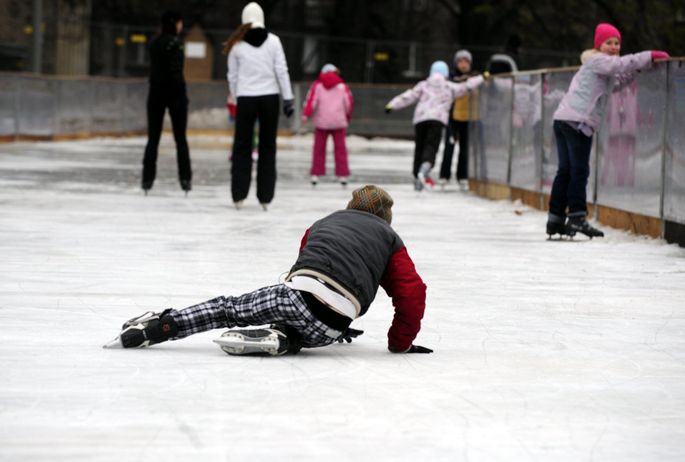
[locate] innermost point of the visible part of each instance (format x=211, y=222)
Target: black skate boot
x=186, y=186
x=580, y=225
x=271, y=341
x=147, y=186
x=555, y=225
x=146, y=330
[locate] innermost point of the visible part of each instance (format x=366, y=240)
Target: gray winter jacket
x=352, y=248
x=592, y=82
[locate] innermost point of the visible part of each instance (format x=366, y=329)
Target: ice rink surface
x=563, y=351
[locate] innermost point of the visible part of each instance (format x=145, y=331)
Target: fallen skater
x=343, y=259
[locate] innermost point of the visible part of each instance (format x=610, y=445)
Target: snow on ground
x=565, y=351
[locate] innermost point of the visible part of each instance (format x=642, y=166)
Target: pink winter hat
x=604, y=32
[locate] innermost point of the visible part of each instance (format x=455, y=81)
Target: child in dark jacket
x=343, y=259
x=434, y=96
x=457, y=129
x=329, y=103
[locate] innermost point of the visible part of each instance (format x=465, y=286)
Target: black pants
x=427, y=136
x=570, y=183
x=158, y=100
x=249, y=110
x=456, y=130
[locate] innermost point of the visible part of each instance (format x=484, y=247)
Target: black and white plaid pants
x=277, y=304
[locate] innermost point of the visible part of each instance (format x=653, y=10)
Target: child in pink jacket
x=434, y=96
x=575, y=121
x=329, y=103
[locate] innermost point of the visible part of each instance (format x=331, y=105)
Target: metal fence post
x=370, y=46
x=37, y=36
x=541, y=170
x=598, y=147
x=511, y=129
x=665, y=150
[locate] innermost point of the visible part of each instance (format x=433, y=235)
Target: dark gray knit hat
x=372, y=199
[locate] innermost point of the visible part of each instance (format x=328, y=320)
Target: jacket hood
x=587, y=54
x=253, y=14
x=436, y=79
x=330, y=79
x=256, y=37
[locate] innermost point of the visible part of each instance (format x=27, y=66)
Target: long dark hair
x=169, y=20
x=237, y=36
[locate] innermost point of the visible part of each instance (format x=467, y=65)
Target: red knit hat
x=604, y=32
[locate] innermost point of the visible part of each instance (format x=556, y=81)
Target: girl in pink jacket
x=576, y=120
x=329, y=103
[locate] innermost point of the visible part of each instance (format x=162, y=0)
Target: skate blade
x=238, y=344
x=115, y=343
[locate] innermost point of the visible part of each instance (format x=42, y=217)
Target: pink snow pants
x=339, y=148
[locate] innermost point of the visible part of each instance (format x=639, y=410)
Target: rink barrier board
x=616, y=218
x=530, y=198
x=494, y=191
x=633, y=222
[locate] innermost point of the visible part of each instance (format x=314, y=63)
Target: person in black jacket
x=167, y=90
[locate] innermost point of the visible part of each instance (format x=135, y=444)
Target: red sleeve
x=303, y=242
x=408, y=292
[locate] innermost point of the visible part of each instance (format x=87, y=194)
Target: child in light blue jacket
x=434, y=97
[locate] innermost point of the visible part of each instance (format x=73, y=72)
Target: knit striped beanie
x=374, y=200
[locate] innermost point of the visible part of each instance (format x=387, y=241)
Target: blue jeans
x=570, y=183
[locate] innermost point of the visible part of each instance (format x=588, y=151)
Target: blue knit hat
x=440, y=67
x=328, y=68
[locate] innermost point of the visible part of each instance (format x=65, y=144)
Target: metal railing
x=638, y=155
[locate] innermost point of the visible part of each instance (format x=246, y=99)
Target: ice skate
x=555, y=228
x=238, y=204
x=314, y=180
x=424, y=176
x=555, y=225
x=147, y=186
x=463, y=185
x=186, y=186
x=580, y=225
x=271, y=341
x=145, y=330
x=343, y=181
x=442, y=182
x=265, y=206
x=418, y=185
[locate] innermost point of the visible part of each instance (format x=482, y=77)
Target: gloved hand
x=412, y=349
x=349, y=334
x=232, y=109
x=288, y=107
x=486, y=75
x=387, y=109
x=304, y=119
x=659, y=55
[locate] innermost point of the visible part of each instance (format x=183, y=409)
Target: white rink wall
x=565, y=351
